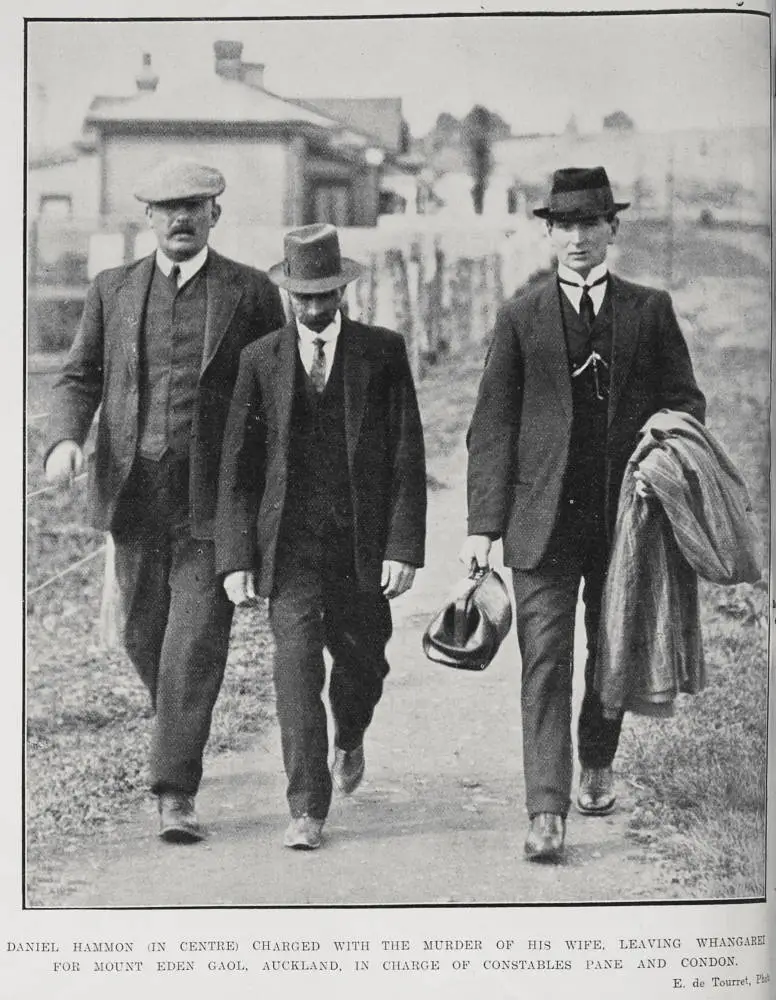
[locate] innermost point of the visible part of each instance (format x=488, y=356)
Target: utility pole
x=669, y=236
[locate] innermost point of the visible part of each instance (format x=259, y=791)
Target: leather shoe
x=178, y=823
x=348, y=768
x=596, y=791
x=303, y=833
x=546, y=834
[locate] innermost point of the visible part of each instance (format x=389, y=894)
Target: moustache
x=320, y=322
x=181, y=231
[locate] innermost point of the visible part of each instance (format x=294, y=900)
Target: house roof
x=213, y=100
x=64, y=154
x=380, y=117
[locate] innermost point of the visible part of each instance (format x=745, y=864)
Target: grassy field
x=699, y=777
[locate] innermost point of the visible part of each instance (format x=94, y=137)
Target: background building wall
x=255, y=171
x=724, y=170
x=77, y=179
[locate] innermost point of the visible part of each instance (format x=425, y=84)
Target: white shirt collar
x=332, y=331
x=188, y=268
x=571, y=285
x=329, y=337
x=597, y=272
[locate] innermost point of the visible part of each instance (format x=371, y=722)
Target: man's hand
x=475, y=552
x=397, y=577
x=65, y=461
x=643, y=489
x=240, y=587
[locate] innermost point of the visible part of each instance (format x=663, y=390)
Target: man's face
x=182, y=227
x=316, y=311
x=581, y=245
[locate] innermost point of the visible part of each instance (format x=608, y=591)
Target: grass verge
x=700, y=777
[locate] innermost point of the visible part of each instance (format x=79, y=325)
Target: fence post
x=397, y=268
x=111, y=617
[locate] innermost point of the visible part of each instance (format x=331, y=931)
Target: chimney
x=228, y=59
x=253, y=74
x=146, y=79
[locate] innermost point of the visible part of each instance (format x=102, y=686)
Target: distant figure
x=322, y=507
x=577, y=364
x=157, y=351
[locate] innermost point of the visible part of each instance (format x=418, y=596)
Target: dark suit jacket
x=102, y=370
x=384, y=438
x=520, y=431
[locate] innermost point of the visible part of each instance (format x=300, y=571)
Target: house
x=287, y=162
x=63, y=184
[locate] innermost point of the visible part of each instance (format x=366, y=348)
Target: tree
x=478, y=140
x=619, y=121
x=446, y=131
x=405, y=137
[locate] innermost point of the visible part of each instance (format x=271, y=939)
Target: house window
x=55, y=206
x=331, y=203
x=512, y=200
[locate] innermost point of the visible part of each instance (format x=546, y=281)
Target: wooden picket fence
x=438, y=286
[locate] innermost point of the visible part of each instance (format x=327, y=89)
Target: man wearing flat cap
x=322, y=506
x=577, y=364
x=157, y=351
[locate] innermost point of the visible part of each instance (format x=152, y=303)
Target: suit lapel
x=283, y=381
x=552, y=347
x=223, y=294
x=357, y=370
x=625, y=326
x=131, y=300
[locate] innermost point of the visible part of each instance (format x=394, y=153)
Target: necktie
x=318, y=368
x=172, y=277
x=586, y=310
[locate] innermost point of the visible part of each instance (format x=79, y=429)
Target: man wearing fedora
x=157, y=351
x=322, y=506
x=577, y=364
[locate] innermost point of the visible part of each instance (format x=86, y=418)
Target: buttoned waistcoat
x=384, y=445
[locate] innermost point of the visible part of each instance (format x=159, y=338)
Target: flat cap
x=176, y=179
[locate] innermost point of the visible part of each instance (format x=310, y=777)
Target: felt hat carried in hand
x=312, y=263
x=467, y=632
x=580, y=193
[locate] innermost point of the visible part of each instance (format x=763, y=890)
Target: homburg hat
x=580, y=193
x=178, y=179
x=467, y=632
x=312, y=261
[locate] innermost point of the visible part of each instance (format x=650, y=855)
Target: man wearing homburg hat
x=577, y=364
x=157, y=351
x=322, y=507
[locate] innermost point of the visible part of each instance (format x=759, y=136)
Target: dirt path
x=439, y=817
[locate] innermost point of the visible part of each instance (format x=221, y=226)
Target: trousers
x=545, y=604
x=176, y=618
x=316, y=604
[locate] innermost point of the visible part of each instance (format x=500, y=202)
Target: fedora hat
x=579, y=193
x=467, y=632
x=312, y=261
